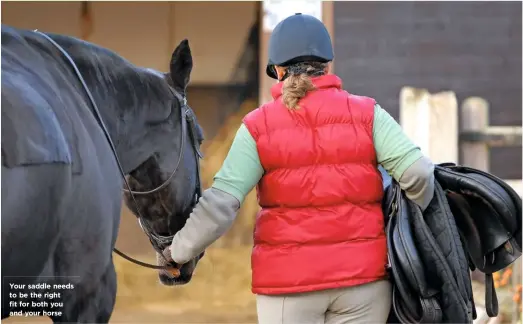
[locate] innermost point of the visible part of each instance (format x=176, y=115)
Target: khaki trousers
x=368, y=303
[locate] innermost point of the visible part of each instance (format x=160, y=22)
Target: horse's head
x=170, y=176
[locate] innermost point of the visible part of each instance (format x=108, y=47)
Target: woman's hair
x=298, y=81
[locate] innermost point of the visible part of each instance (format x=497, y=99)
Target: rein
x=187, y=117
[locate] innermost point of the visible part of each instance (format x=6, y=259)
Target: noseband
x=187, y=117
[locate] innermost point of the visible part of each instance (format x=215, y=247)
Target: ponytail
x=298, y=82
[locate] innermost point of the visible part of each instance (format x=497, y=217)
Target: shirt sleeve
x=216, y=210
x=241, y=170
x=394, y=149
x=211, y=218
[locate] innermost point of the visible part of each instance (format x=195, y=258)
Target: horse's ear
x=181, y=66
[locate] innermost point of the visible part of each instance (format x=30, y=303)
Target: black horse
x=76, y=118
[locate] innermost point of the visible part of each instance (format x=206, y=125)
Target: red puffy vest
x=321, y=224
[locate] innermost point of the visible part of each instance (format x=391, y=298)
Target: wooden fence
x=432, y=121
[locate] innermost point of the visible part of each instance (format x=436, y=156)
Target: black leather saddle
x=431, y=283
x=473, y=221
x=488, y=214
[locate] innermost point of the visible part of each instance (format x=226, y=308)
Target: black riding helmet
x=298, y=38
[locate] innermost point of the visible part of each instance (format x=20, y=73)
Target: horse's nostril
x=174, y=272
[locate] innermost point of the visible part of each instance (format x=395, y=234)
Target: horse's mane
x=117, y=73
x=106, y=73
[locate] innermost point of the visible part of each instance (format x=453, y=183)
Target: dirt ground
x=218, y=293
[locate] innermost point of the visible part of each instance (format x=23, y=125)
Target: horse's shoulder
x=38, y=106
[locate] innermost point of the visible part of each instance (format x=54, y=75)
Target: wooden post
x=86, y=20
x=328, y=19
x=414, y=108
x=431, y=121
x=474, y=117
x=265, y=82
x=444, y=127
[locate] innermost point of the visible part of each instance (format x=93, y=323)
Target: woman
x=313, y=152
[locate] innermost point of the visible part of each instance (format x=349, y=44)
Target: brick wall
x=472, y=48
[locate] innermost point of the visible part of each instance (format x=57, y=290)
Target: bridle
x=158, y=241
x=187, y=118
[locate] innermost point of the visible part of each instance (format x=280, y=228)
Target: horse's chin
x=186, y=272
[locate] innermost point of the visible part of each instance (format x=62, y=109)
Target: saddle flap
x=486, y=213
x=405, y=291
x=475, y=216
x=415, y=298
x=471, y=237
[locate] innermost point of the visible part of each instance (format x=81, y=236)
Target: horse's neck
x=112, y=84
x=122, y=123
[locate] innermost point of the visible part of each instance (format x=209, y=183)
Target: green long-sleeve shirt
x=242, y=170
